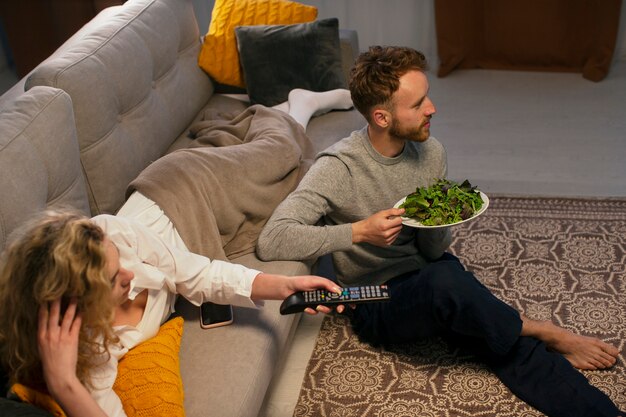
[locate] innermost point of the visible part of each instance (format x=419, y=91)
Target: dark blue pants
x=443, y=299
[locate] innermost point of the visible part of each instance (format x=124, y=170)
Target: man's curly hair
x=376, y=74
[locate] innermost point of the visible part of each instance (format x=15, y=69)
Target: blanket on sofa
x=220, y=192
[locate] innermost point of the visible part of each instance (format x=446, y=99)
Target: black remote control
x=298, y=301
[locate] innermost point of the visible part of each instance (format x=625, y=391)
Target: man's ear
x=381, y=117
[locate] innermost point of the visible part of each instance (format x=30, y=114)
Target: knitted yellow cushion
x=218, y=56
x=148, y=376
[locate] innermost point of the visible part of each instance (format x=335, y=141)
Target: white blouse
x=151, y=248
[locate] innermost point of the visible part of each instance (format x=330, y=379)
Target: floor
x=534, y=133
x=507, y=132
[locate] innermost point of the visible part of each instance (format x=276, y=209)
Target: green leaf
x=444, y=202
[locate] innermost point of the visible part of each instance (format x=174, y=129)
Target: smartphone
x=215, y=315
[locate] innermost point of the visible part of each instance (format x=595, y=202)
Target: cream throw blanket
x=220, y=192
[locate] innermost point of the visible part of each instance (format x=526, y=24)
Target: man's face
x=412, y=109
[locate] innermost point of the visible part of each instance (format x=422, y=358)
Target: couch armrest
x=39, y=160
x=349, y=41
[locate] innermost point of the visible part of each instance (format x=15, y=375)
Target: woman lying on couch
x=70, y=267
x=76, y=293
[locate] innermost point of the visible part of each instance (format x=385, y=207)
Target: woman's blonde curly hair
x=59, y=255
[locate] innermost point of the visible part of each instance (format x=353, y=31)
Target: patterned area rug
x=558, y=259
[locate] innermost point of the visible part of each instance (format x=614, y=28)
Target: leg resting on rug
x=583, y=352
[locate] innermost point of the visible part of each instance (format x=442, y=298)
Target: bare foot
x=585, y=352
x=582, y=352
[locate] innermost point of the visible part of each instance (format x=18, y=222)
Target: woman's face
x=120, y=277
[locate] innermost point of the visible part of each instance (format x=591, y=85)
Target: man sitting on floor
x=342, y=207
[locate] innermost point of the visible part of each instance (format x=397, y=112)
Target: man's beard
x=419, y=134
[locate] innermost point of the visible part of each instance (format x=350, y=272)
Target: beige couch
x=118, y=95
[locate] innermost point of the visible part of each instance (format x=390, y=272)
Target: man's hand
x=380, y=229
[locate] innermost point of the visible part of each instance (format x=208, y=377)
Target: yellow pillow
x=148, y=376
x=218, y=56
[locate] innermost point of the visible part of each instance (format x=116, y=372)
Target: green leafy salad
x=444, y=202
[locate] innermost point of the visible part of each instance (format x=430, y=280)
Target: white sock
x=304, y=104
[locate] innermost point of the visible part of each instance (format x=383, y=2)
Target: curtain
x=544, y=35
x=36, y=28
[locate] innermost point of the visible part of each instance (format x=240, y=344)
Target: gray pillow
x=278, y=58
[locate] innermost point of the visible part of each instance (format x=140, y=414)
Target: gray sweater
x=349, y=182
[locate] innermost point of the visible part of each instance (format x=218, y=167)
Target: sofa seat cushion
x=39, y=161
x=238, y=360
x=323, y=130
x=220, y=103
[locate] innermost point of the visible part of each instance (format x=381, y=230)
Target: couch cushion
x=278, y=58
x=148, y=377
x=135, y=85
x=39, y=161
x=240, y=359
x=219, y=57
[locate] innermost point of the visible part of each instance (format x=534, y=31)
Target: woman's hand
x=312, y=282
x=57, y=341
x=279, y=287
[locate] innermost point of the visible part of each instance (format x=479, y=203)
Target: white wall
x=203, y=13
x=389, y=22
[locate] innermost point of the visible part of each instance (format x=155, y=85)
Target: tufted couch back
x=135, y=86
